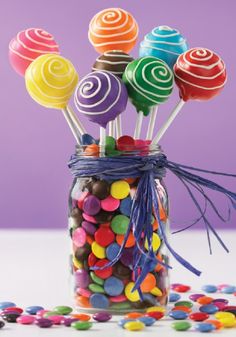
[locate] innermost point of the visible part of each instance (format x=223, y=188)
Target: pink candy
x=84, y=292
x=26, y=319
x=110, y=204
x=79, y=237
x=57, y=319
x=118, y=299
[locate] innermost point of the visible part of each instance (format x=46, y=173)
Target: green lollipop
x=149, y=82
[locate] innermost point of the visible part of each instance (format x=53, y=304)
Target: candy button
x=92, y=260
x=121, y=306
x=209, y=308
x=118, y=299
x=101, y=189
x=125, y=143
x=103, y=217
x=209, y=288
x=132, y=296
x=130, y=241
x=63, y=309
x=155, y=314
x=110, y=143
x=228, y=289
x=4, y=305
x=204, y=300
x=98, y=250
x=120, y=189
x=49, y=313
x=92, y=205
x=40, y=313
x=87, y=139
x=199, y=316
x=89, y=227
x=102, y=316
x=228, y=322
x=104, y=237
x=83, y=292
x=230, y=308
x=134, y=326
x=123, y=321
x=133, y=315
x=217, y=324
x=43, y=322
x=112, y=251
x=57, y=319
x=156, y=242
x=223, y=314
x=96, y=279
x=81, y=278
x=80, y=201
x=119, y=224
x=195, y=297
x=184, y=303
x=33, y=310
x=79, y=237
x=121, y=271
x=103, y=273
x=99, y=301
x=95, y=288
x=182, y=308
x=181, y=326
x=178, y=314
x=127, y=257
x=219, y=305
x=173, y=297
x=81, y=325
x=13, y=309
x=148, y=321
x=204, y=327
x=110, y=204
x=156, y=308
x=182, y=288
x=148, y=283
x=113, y=286
x=125, y=206
x=82, y=317
x=222, y=300
x=68, y=321
x=25, y=319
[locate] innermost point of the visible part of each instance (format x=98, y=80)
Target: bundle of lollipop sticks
x=102, y=95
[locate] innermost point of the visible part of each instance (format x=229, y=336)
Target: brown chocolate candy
x=77, y=218
x=121, y=272
x=103, y=217
x=82, y=253
x=101, y=189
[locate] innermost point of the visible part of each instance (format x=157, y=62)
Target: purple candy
x=68, y=321
x=91, y=205
x=101, y=96
x=43, y=322
x=223, y=300
x=102, y=316
x=89, y=227
x=195, y=297
x=127, y=257
x=82, y=278
x=219, y=305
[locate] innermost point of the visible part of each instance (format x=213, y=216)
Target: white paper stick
x=118, y=126
x=168, y=122
x=151, y=125
x=76, y=121
x=71, y=125
x=112, y=130
x=138, y=125
x=102, y=142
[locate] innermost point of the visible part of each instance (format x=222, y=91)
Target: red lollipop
x=200, y=75
x=28, y=45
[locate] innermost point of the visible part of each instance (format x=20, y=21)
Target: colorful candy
x=204, y=327
x=43, y=322
x=102, y=316
x=134, y=326
x=81, y=325
x=181, y=326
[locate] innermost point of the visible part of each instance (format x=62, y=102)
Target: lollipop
x=164, y=43
x=50, y=80
x=113, y=28
x=149, y=82
x=101, y=96
x=115, y=62
x=200, y=74
x=28, y=45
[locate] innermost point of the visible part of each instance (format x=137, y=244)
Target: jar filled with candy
x=107, y=254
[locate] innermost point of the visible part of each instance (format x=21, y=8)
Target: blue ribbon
x=149, y=168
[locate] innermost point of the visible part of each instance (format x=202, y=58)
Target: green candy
x=121, y=306
x=96, y=279
x=81, y=325
x=149, y=82
x=110, y=143
x=95, y=288
x=50, y=313
x=181, y=326
x=184, y=304
x=63, y=310
x=119, y=224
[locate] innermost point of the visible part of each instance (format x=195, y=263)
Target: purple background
x=35, y=143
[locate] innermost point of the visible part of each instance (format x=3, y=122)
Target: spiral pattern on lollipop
x=149, y=82
x=113, y=28
x=101, y=96
x=51, y=80
x=200, y=74
x=28, y=45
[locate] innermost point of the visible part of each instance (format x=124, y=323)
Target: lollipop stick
x=102, y=142
x=76, y=121
x=138, y=125
x=111, y=126
x=168, y=122
x=118, y=126
x=71, y=125
x=151, y=124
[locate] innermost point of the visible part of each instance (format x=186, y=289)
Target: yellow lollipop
x=50, y=80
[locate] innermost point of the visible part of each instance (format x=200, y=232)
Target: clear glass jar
x=99, y=211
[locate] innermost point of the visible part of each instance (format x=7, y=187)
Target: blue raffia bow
x=149, y=168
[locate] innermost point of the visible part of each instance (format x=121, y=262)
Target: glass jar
x=99, y=216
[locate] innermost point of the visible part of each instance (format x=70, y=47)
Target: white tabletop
x=34, y=271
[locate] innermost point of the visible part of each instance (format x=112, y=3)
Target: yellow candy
x=120, y=189
x=156, y=292
x=132, y=296
x=228, y=322
x=160, y=309
x=224, y=314
x=134, y=326
x=77, y=263
x=50, y=80
x=98, y=250
x=156, y=242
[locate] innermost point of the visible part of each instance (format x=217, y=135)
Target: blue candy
x=178, y=314
x=209, y=288
x=125, y=320
x=228, y=290
x=99, y=301
x=174, y=297
x=164, y=43
x=4, y=305
x=87, y=139
x=148, y=321
x=204, y=327
x=33, y=309
x=125, y=206
x=209, y=309
x=112, y=251
x=113, y=286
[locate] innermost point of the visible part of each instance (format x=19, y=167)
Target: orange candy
x=83, y=302
x=133, y=315
x=89, y=239
x=92, y=150
x=130, y=242
x=130, y=181
x=182, y=308
x=217, y=324
x=148, y=283
x=81, y=317
x=204, y=300
x=113, y=29
x=155, y=225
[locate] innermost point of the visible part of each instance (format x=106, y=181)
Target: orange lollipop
x=113, y=29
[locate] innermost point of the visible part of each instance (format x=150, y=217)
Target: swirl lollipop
x=111, y=29
x=149, y=82
x=28, y=45
x=101, y=96
x=115, y=62
x=200, y=75
x=50, y=80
